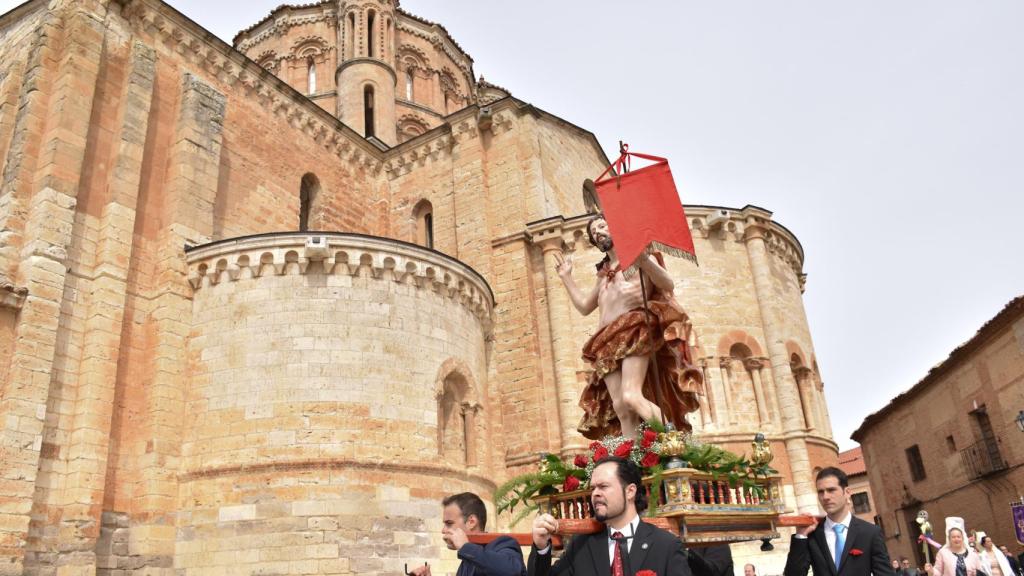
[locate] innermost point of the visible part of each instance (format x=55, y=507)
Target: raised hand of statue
x=564, y=266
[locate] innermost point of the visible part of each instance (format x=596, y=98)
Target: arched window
x=309, y=189
x=387, y=39
x=446, y=103
x=456, y=414
x=371, y=16
x=368, y=111
x=351, y=34
x=408, y=85
x=424, y=216
x=451, y=410
x=804, y=388
x=311, y=75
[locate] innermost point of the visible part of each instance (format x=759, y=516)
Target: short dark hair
x=904, y=559
x=837, y=473
x=469, y=505
x=590, y=235
x=629, y=473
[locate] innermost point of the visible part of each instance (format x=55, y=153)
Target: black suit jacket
x=812, y=552
x=501, y=557
x=710, y=560
x=587, y=555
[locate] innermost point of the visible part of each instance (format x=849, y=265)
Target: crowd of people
x=965, y=555
x=840, y=544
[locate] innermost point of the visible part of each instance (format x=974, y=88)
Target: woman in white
x=993, y=561
x=956, y=558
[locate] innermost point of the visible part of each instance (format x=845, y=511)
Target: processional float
x=702, y=493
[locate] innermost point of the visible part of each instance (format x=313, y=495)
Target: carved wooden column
x=754, y=366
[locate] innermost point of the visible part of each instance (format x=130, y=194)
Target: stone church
x=263, y=305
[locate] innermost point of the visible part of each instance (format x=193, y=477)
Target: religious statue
x=643, y=368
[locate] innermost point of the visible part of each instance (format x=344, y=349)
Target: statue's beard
x=604, y=244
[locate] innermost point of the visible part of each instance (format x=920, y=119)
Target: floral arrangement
x=646, y=451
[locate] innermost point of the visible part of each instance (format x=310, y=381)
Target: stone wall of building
x=335, y=394
x=149, y=406
x=958, y=424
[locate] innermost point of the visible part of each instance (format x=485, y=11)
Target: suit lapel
x=641, y=542
x=819, y=537
x=851, y=534
x=597, y=545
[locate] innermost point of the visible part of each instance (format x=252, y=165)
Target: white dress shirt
x=830, y=533
x=627, y=531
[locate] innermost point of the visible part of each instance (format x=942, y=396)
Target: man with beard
x=621, y=390
x=626, y=547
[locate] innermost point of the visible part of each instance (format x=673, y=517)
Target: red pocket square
x=856, y=551
x=647, y=573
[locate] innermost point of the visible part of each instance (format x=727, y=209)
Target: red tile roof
x=852, y=462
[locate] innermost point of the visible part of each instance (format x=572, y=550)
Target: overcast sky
x=887, y=135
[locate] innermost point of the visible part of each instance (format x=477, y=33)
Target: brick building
x=950, y=444
x=263, y=305
x=852, y=462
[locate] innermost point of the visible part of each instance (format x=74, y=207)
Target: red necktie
x=617, y=559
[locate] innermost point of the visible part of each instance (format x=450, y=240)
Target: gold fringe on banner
x=656, y=246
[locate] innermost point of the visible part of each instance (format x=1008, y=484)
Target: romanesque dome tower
x=387, y=74
x=366, y=77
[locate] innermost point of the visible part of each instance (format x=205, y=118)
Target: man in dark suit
x=1014, y=564
x=842, y=545
x=710, y=560
x=627, y=546
x=463, y=513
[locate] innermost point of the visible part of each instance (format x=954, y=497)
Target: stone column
x=40, y=186
x=469, y=431
x=723, y=364
x=707, y=407
x=89, y=442
x=793, y=433
x=754, y=367
x=803, y=382
x=563, y=343
x=194, y=166
x=771, y=393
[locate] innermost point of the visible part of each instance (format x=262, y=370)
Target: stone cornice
x=281, y=19
x=203, y=50
x=747, y=223
x=384, y=259
x=437, y=36
x=366, y=60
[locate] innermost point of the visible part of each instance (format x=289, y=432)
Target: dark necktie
x=617, y=559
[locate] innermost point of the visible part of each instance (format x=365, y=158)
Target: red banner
x=643, y=210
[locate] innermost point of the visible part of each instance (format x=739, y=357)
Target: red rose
x=649, y=437
x=624, y=449
x=580, y=461
x=856, y=551
x=650, y=459
x=571, y=483
x=646, y=573
x=600, y=453
x=595, y=445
